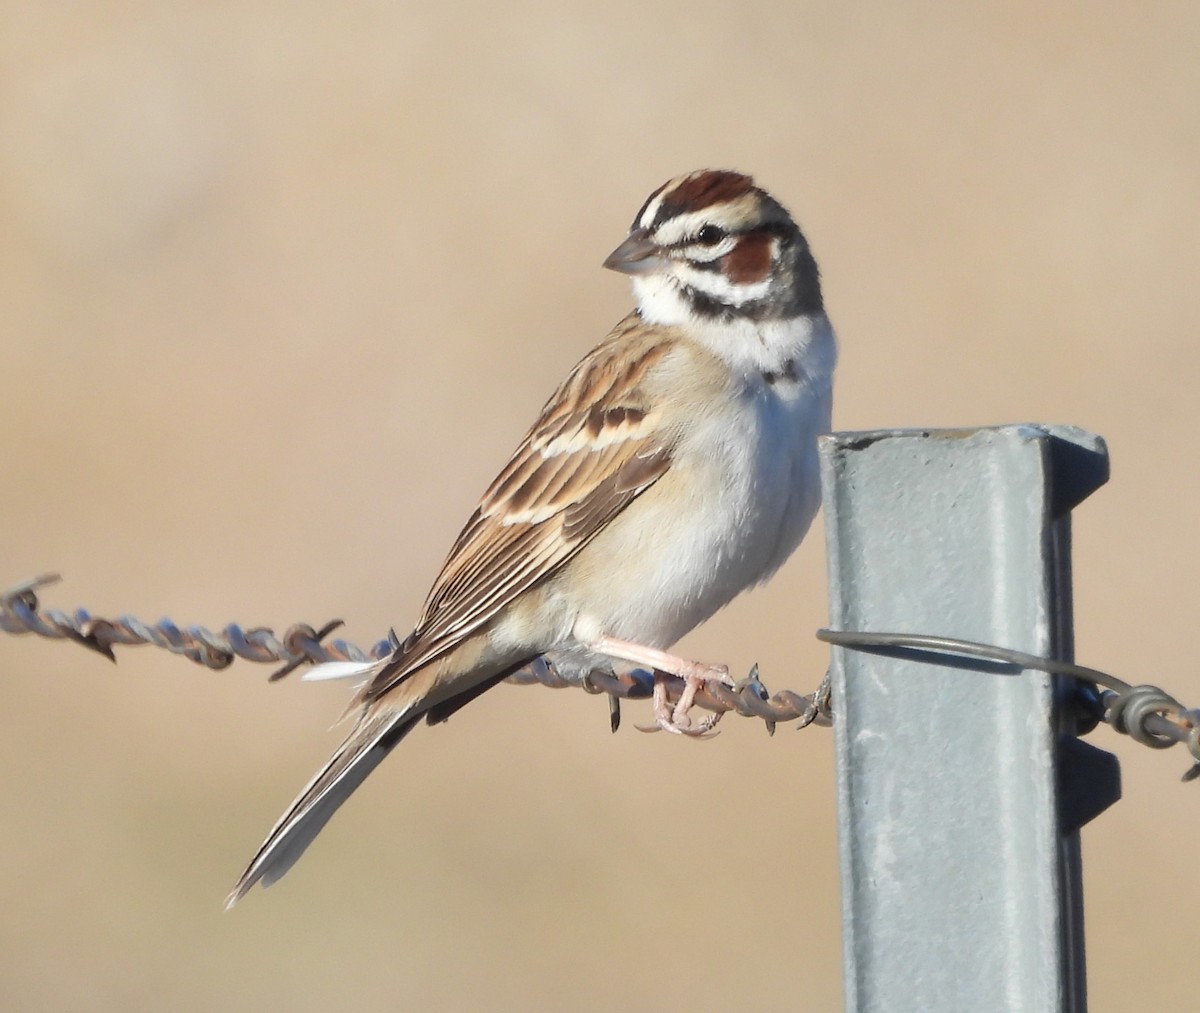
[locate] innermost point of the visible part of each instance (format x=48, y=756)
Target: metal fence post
x=957, y=799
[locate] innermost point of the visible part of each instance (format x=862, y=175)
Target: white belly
x=741, y=491
x=720, y=521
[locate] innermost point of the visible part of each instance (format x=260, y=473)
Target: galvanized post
x=958, y=806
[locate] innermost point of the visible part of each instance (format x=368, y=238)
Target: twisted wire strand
x=301, y=644
x=1145, y=713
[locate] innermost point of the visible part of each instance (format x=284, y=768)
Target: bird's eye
x=710, y=235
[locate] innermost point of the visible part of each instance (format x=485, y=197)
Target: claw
x=704, y=730
x=677, y=719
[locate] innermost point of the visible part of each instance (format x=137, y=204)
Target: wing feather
x=594, y=449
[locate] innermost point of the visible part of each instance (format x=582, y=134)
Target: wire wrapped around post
x=1145, y=713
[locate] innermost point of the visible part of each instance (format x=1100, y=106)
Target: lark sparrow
x=673, y=468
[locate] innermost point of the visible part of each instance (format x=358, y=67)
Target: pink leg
x=693, y=673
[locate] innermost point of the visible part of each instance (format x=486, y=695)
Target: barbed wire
x=300, y=644
x=1145, y=713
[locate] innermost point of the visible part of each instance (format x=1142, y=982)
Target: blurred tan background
x=280, y=286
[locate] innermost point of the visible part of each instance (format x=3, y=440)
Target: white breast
x=742, y=491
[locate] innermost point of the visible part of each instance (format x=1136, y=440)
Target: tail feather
x=341, y=670
x=363, y=751
x=384, y=722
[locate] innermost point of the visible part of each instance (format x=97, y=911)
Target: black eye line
x=785, y=235
x=695, y=240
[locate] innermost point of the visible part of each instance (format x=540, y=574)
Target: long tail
x=363, y=751
x=379, y=730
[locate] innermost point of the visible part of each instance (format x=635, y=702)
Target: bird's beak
x=637, y=255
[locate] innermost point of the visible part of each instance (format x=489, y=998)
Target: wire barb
x=1145, y=713
x=20, y=612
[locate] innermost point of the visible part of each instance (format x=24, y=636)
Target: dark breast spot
x=788, y=372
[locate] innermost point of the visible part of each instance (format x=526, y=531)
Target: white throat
x=660, y=301
x=749, y=347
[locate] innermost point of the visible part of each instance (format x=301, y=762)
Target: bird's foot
x=677, y=717
x=695, y=674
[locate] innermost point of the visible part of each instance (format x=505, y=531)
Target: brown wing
x=592, y=451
